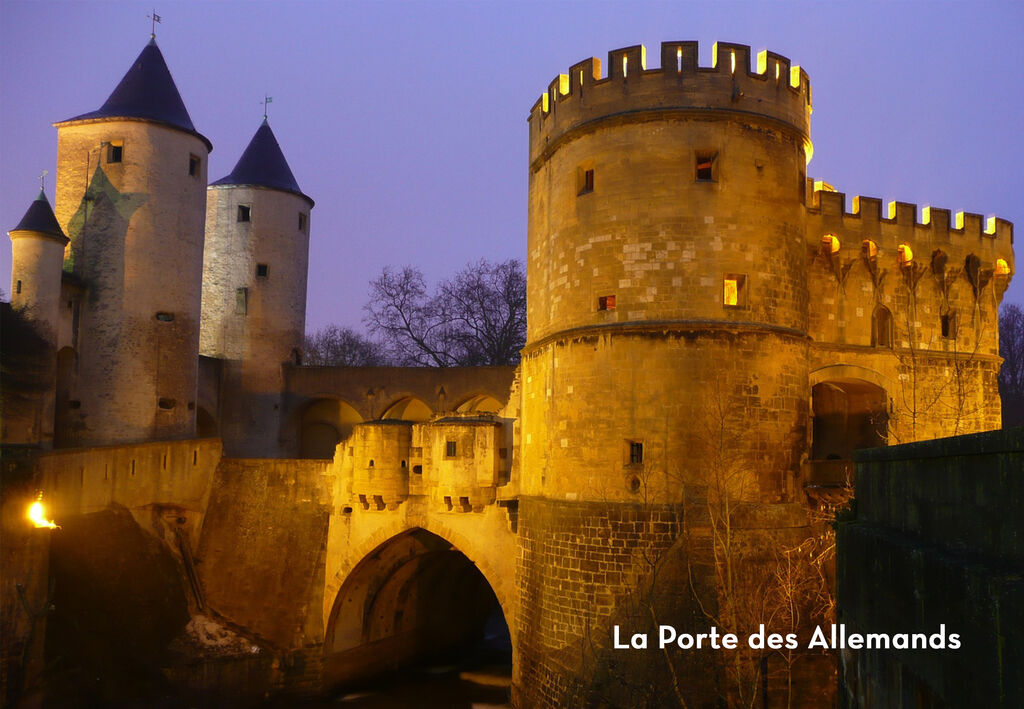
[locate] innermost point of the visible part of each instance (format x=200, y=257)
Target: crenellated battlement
x=773, y=89
x=894, y=223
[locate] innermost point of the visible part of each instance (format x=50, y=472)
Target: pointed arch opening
x=414, y=600
x=408, y=409
x=481, y=403
x=324, y=423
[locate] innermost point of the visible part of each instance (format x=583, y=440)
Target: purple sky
x=406, y=122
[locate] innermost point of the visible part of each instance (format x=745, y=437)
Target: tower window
x=585, y=178
x=115, y=151
x=881, y=327
x=949, y=325
x=244, y=212
x=165, y=317
x=262, y=270
x=705, y=167
x=241, y=301
x=303, y=222
x=636, y=453
x=451, y=449
x=606, y=302
x=17, y=288
x=734, y=291
x=193, y=165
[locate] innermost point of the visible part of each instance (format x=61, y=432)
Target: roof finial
x=155, y=18
x=42, y=181
x=265, y=101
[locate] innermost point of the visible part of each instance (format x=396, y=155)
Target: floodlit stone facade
x=706, y=326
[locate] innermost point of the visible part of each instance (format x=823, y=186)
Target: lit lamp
x=37, y=514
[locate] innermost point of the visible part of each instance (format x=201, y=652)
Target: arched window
x=830, y=244
x=906, y=254
x=881, y=327
x=1002, y=268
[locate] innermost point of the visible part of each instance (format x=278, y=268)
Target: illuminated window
x=1002, y=268
x=584, y=179
x=869, y=250
x=830, y=244
x=451, y=448
x=241, y=301
x=949, y=325
x=244, y=212
x=606, y=302
x=706, y=167
x=193, y=165
x=905, y=254
x=303, y=222
x=115, y=151
x=734, y=291
x=262, y=270
x=881, y=327
x=636, y=453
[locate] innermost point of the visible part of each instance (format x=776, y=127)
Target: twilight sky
x=406, y=121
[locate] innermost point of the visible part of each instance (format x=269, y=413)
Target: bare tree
x=1011, y=376
x=342, y=347
x=478, y=317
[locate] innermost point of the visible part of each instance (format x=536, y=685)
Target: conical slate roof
x=147, y=91
x=40, y=218
x=264, y=165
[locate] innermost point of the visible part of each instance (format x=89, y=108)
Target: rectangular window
x=949, y=326
x=636, y=453
x=706, y=167
x=606, y=302
x=262, y=270
x=115, y=151
x=244, y=212
x=303, y=222
x=17, y=288
x=241, y=301
x=450, y=449
x=585, y=178
x=193, y=165
x=734, y=290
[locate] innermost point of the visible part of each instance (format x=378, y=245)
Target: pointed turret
x=263, y=165
x=254, y=290
x=131, y=195
x=39, y=218
x=37, y=255
x=147, y=91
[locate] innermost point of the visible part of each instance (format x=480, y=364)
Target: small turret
x=37, y=245
x=254, y=287
x=37, y=248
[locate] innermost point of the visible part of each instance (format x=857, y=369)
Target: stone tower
x=667, y=322
x=37, y=250
x=254, y=288
x=131, y=194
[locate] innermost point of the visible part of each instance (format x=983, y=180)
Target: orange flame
x=37, y=514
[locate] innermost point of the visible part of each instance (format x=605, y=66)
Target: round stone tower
x=666, y=354
x=254, y=289
x=131, y=194
x=37, y=251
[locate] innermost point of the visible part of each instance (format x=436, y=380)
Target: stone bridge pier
x=421, y=547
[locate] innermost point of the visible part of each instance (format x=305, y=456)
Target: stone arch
x=849, y=412
x=413, y=596
x=408, y=408
x=480, y=403
x=323, y=423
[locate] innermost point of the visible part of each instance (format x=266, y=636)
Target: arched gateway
x=416, y=598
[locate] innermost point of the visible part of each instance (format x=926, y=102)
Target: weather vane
x=155, y=18
x=265, y=101
x=42, y=180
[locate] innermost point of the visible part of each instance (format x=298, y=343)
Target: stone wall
x=936, y=539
